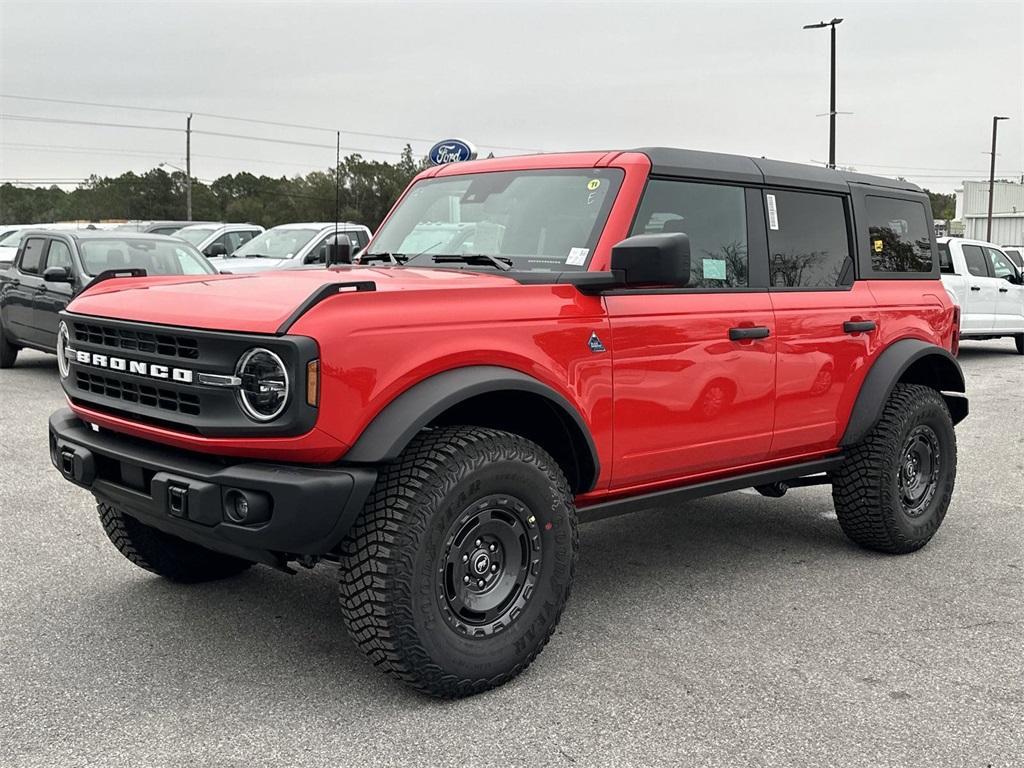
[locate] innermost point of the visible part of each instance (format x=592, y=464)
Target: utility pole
x=992, y=175
x=832, y=90
x=188, y=168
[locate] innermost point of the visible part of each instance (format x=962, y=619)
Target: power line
x=30, y=119
x=211, y=115
x=79, y=149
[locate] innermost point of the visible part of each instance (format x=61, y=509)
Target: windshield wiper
x=475, y=258
x=390, y=258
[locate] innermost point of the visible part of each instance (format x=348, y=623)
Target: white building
x=1007, y=211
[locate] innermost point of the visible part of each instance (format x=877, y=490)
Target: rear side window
x=713, y=216
x=32, y=255
x=807, y=239
x=946, y=260
x=898, y=236
x=975, y=258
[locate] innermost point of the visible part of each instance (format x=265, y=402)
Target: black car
x=51, y=268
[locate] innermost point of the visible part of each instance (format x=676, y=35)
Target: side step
x=788, y=475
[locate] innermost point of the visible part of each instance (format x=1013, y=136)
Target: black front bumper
x=293, y=510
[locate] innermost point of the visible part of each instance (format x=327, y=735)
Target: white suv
x=218, y=239
x=987, y=285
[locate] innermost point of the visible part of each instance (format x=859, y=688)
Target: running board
x=788, y=473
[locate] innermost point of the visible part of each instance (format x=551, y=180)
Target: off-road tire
x=394, y=560
x=869, y=499
x=163, y=554
x=8, y=351
x=1019, y=341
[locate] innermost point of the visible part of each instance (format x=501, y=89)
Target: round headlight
x=63, y=339
x=264, y=388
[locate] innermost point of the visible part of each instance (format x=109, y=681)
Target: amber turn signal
x=313, y=382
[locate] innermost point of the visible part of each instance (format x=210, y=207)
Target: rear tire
x=892, y=492
x=456, y=573
x=1019, y=340
x=8, y=351
x=163, y=554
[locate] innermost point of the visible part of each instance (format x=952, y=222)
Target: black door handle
x=975, y=288
x=1004, y=290
x=754, y=332
x=858, y=326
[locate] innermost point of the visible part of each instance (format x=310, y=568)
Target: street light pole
x=832, y=89
x=188, y=168
x=992, y=176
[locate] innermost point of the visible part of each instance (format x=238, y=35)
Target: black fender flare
x=399, y=421
x=933, y=366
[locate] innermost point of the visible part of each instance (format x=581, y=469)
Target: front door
x=1009, y=313
x=53, y=298
x=694, y=369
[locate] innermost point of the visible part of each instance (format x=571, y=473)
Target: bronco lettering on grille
x=137, y=367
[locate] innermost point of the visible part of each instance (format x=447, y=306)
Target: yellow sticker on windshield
x=593, y=184
x=879, y=246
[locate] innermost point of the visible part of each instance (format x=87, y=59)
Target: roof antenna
x=337, y=185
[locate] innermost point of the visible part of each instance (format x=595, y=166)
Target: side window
x=808, y=240
x=714, y=217
x=898, y=235
x=358, y=238
x=975, y=259
x=946, y=260
x=59, y=255
x=187, y=263
x=32, y=255
x=1001, y=266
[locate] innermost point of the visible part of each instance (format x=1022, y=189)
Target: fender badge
x=595, y=343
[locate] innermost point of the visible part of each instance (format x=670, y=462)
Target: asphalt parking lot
x=736, y=631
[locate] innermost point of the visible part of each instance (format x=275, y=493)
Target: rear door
x=690, y=398
x=19, y=298
x=1009, y=313
x=826, y=321
x=979, y=307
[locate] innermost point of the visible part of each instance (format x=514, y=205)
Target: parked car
x=214, y=240
x=159, y=227
x=1015, y=254
x=291, y=246
x=10, y=237
x=630, y=329
x=51, y=268
x=987, y=285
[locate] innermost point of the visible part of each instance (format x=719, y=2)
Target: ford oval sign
x=451, y=151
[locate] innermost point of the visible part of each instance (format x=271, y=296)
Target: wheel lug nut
x=493, y=547
x=494, y=568
x=480, y=583
x=478, y=542
x=465, y=579
x=465, y=558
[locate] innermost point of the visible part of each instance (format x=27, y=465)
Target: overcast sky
x=922, y=80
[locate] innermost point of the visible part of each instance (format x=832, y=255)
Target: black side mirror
x=216, y=249
x=57, y=275
x=661, y=259
x=339, y=250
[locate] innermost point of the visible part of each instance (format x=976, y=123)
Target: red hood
x=254, y=303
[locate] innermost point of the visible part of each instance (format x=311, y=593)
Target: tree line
x=368, y=189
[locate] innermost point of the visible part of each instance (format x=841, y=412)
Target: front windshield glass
x=157, y=257
x=548, y=220
x=194, y=236
x=276, y=244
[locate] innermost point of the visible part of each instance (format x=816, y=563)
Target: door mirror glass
x=339, y=250
x=215, y=249
x=57, y=275
x=654, y=260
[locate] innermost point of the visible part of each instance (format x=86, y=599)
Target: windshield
x=195, y=236
x=276, y=244
x=10, y=236
x=157, y=257
x=547, y=220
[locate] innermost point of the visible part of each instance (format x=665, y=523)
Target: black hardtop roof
x=666, y=161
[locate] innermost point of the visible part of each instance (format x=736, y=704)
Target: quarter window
x=32, y=255
x=898, y=235
x=713, y=216
x=946, y=260
x=975, y=259
x=808, y=240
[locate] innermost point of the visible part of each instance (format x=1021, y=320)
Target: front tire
x=892, y=492
x=456, y=573
x=163, y=554
x=1019, y=341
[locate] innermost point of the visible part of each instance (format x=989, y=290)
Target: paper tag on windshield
x=577, y=256
x=773, y=212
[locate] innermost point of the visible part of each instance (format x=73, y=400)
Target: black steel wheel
x=892, y=492
x=456, y=573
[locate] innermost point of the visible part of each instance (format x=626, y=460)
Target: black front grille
x=141, y=394
x=171, y=345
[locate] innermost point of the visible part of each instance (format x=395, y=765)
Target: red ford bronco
x=525, y=343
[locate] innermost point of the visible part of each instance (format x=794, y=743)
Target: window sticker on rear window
x=577, y=256
x=773, y=212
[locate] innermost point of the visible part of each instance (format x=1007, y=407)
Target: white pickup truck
x=987, y=285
